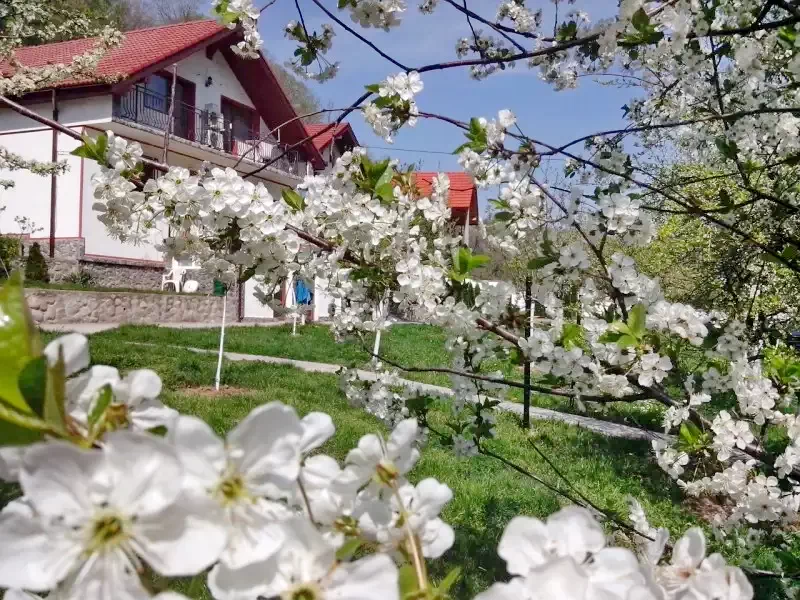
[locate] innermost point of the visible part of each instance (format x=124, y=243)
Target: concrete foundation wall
x=67, y=306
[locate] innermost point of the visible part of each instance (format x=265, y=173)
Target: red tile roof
x=321, y=141
x=463, y=193
x=139, y=49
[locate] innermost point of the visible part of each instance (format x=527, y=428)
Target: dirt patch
x=708, y=508
x=224, y=391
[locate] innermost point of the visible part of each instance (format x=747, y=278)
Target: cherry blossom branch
x=503, y=30
x=507, y=382
x=357, y=35
x=267, y=135
x=355, y=105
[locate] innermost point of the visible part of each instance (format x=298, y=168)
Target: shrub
x=36, y=266
x=10, y=250
x=81, y=277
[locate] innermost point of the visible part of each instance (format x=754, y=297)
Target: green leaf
x=408, y=581
x=101, y=404
x=567, y=31
x=295, y=201
x=789, y=252
x=55, y=411
x=449, y=580
x=627, y=341
x=727, y=149
x=84, y=152
x=787, y=36
x=32, y=382
x=348, y=549
x=609, y=337
x=385, y=192
x=535, y=264
x=725, y=199
x=571, y=335
x=374, y=88
x=17, y=428
x=690, y=437
x=789, y=562
x=478, y=260
x=641, y=20
x=101, y=146
x=19, y=341
x=386, y=177
x=503, y=216
x=637, y=318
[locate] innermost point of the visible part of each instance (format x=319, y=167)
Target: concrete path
x=606, y=428
x=90, y=328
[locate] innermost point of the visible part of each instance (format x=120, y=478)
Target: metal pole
x=526, y=392
x=170, y=113
x=53, y=180
x=221, y=342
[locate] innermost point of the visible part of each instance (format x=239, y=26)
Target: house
x=332, y=142
x=462, y=200
x=228, y=110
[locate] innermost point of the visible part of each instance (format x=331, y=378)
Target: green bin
x=220, y=289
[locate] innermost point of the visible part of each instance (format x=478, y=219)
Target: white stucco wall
x=30, y=196
x=95, y=109
x=99, y=243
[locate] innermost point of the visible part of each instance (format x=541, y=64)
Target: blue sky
x=422, y=39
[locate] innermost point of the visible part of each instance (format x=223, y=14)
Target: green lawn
x=487, y=494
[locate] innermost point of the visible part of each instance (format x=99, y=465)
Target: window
x=156, y=94
x=241, y=121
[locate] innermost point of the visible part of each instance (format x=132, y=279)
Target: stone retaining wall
x=67, y=306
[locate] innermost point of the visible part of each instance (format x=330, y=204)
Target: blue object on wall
x=302, y=294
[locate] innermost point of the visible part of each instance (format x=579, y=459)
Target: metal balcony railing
x=211, y=129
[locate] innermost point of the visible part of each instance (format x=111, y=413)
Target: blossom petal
x=523, y=545
x=144, y=470
x=575, y=532
x=200, y=451
x=110, y=577
x=513, y=590
x=361, y=580
x=431, y=497
x=437, y=538
x=319, y=471
x=183, y=539
x=317, y=429
x=30, y=556
x=255, y=533
x=148, y=414
x=58, y=478
x=404, y=434
x=690, y=550
x=11, y=462
x=142, y=384
x=269, y=439
x=75, y=348
x=560, y=578
x=247, y=583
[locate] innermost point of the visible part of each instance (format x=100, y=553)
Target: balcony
x=206, y=128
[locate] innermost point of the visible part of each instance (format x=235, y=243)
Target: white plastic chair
x=190, y=286
x=173, y=278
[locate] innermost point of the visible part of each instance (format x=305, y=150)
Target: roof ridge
x=167, y=25
x=124, y=33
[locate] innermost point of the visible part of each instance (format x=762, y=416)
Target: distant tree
x=137, y=14
x=300, y=95
x=36, y=266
